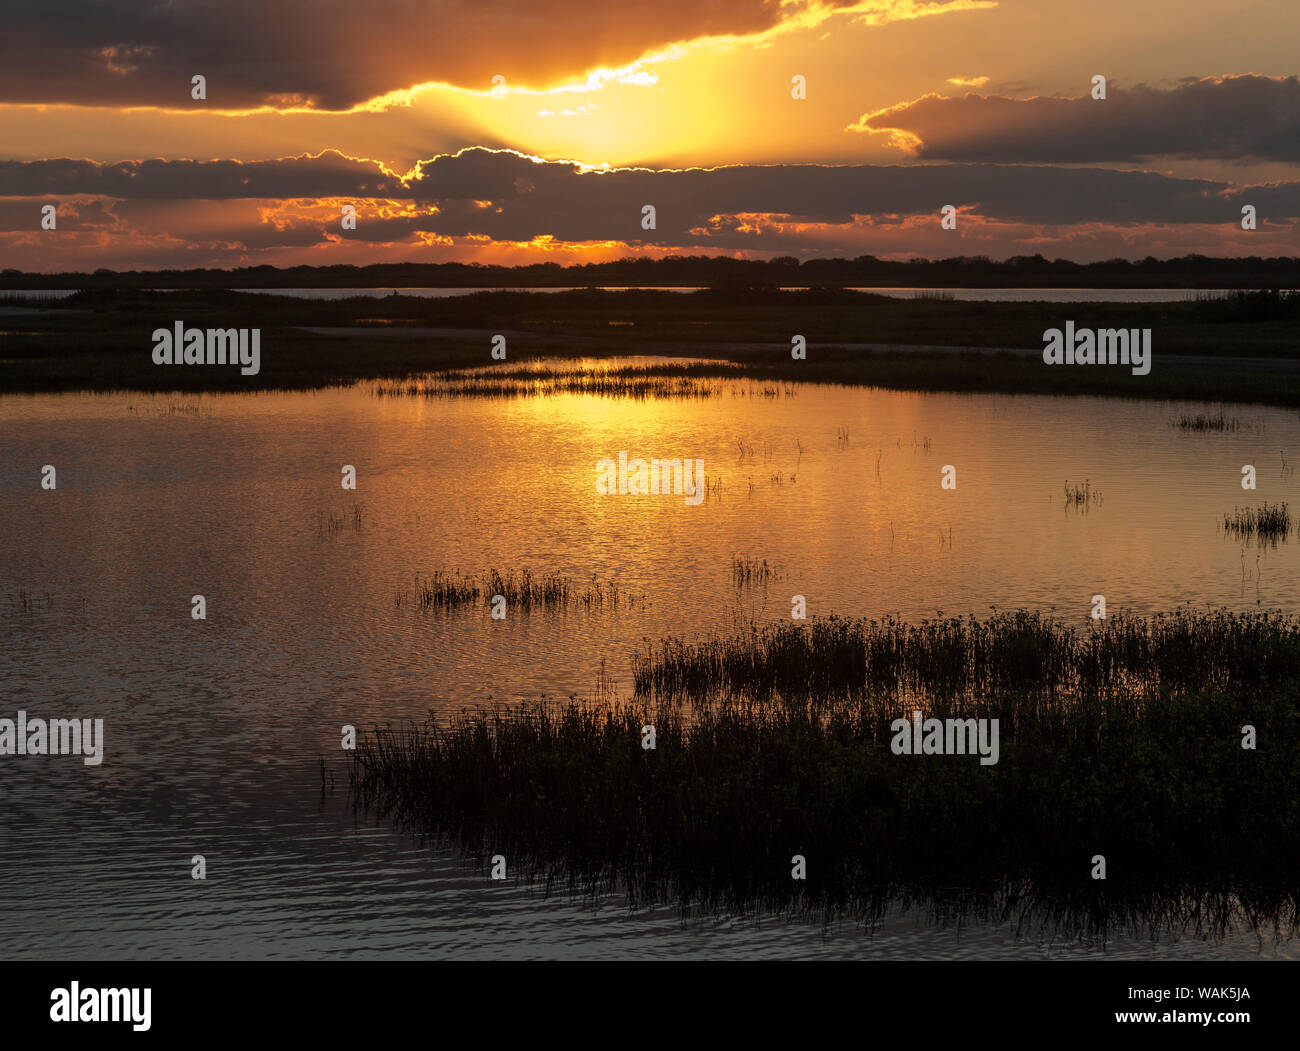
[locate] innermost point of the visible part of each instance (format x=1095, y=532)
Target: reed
x=1195, y=829
x=172, y=408
x=522, y=590
x=1037, y=655
x=441, y=591
x=750, y=572
x=27, y=602
x=1081, y=497
x=638, y=382
x=1270, y=524
x=1203, y=423
x=525, y=590
x=329, y=524
x=1250, y=305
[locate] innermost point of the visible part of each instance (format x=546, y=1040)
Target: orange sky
x=1202, y=114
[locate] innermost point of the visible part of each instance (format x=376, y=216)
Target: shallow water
x=213, y=728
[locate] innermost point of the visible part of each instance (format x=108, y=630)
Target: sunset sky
x=512, y=131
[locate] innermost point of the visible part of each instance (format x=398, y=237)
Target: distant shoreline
x=1185, y=272
x=1243, y=347
x=969, y=294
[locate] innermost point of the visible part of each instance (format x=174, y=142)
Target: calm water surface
x=213, y=728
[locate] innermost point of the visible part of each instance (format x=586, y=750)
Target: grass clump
x=638, y=382
x=969, y=657
x=1196, y=830
x=330, y=524
x=1269, y=524
x=1081, y=497
x=27, y=602
x=751, y=572
x=521, y=590
x=1203, y=423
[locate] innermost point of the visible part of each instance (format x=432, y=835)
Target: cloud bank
x=505, y=195
x=1230, y=118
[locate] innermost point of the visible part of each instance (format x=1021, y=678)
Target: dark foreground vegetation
x=1242, y=348
x=1122, y=739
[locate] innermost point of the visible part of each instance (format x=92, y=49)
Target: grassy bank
x=101, y=340
x=1124, y=741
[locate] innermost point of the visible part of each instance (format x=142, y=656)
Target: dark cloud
x=334, y=53
x=527, y=199
x=242, y=222
x=483, y=197
x=506, y=196
x=1234, y=118
x=327, y=174
x=24, y=214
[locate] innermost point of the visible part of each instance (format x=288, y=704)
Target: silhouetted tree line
x=1190, y=271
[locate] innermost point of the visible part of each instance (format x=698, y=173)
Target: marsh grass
x=173, y=408
x=329, y=524
x=1270, y=524
x=750, y=572
x=1081, y=497
x=521, y=590
x=526, y=591
x=25, y=602
x=442, y=591
x=1249, y=304
x=1197, y=831
x=638, y=382
x=966, y=657
x=763, y=390
x=1203, y=423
